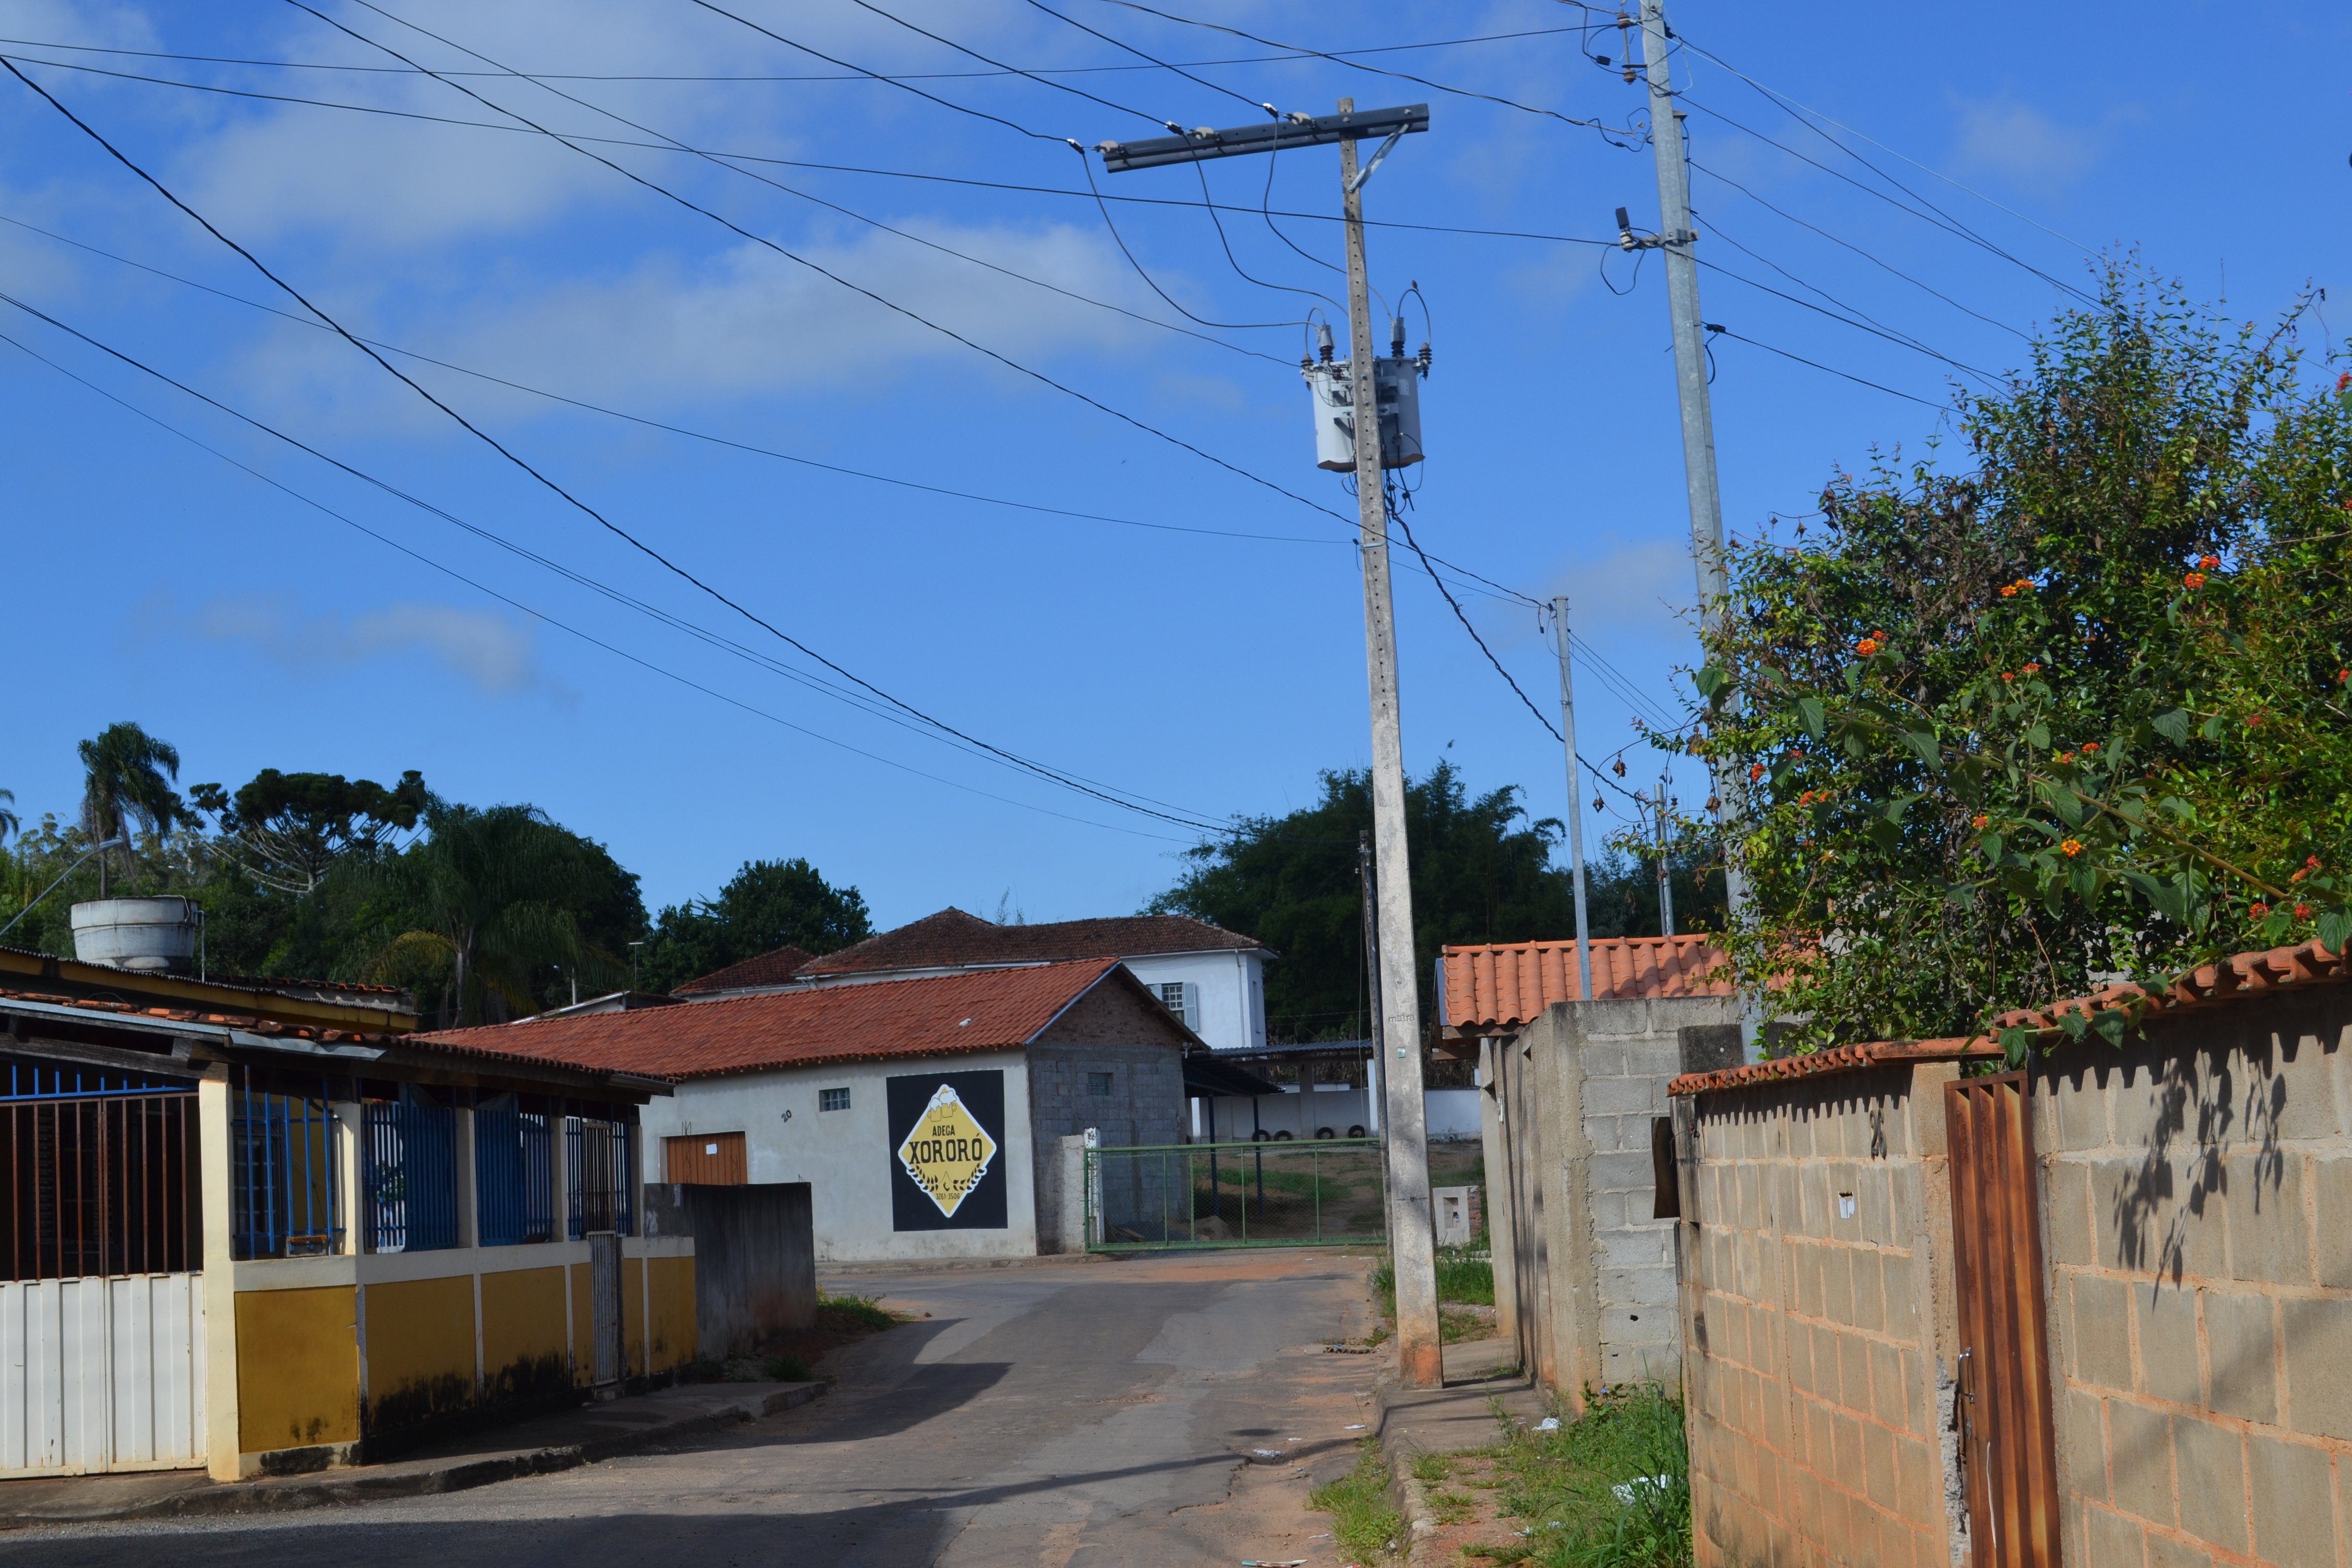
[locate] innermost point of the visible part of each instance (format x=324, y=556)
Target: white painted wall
x=845, y=1155
x=1233, y=993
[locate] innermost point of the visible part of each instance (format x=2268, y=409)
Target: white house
x=925, y=1115
x=1212, y=979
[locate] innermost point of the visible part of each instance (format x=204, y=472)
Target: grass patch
x=1563, y=1487
x=1363, y=1525
x=1461, y=1278
x=1431, y=1468
x=853, y=1314
x=1453, y=1328
x=787, y=1369
x=1453, y=1507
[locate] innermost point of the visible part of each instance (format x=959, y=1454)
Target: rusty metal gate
x=2006, y=1442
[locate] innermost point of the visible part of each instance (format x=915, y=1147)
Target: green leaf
x=2110, y=1022
x=1921, y=742
x=2334, y=926
x=2173, y=725
x=2068, y=806
x=1813, y=716
x=1994, y=846
x=2015, y=1044
x=1884, y=834
x=2214, y=729
x=2074, y=1024
x=1711, y=679
x=2038, y=737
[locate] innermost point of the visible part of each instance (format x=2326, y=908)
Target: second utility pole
x=1412, y=1241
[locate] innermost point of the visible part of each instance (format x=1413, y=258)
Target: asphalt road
x=1071, y=1415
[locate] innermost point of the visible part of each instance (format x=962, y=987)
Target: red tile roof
x=991, y=1009
x=1505, y=986
x=768, y=969
x=952, y=939
x=2222, y=983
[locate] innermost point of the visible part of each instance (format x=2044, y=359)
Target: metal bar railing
x=409, y=1175
x=514, y=1182
x=287, y=1202
x=599, y=1157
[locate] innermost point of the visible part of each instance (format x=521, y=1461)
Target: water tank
x=149, y=935
x=1397, y=382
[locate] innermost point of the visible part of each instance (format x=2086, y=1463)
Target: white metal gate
x=101, y=1374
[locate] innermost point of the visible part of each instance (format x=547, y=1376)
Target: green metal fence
x=1299, y=1193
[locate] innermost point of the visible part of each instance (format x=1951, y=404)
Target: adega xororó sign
x=947, y=1132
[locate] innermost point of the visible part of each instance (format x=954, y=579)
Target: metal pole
x=1575, y=799
x=1412, y=1241
x=1665, y=869
x=1676, y=239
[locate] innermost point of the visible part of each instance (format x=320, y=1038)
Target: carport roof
x=993, y=1009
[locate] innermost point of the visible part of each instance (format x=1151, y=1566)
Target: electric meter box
x=1396, y=382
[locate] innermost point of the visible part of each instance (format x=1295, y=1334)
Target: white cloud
x=2016, y=140
x=495, y=652
x=1651, y=587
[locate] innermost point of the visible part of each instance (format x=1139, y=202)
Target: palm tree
x=9, y=821
x=126, y=778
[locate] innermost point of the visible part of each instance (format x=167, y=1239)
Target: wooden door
x=711, y=1159
x=2007, y=1440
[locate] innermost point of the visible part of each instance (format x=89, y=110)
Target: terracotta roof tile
x=768, y=969
x=952, y=938
x=1505, y=985
x=2215, y=985
x=985, y=1010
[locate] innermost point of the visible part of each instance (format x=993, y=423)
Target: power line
x=562, y=626
x=1000, y=64
x=549, y=484
x=1858, y=381
x=1162, y=65
x=1854, y=319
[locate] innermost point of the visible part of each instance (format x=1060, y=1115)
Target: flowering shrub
x=1921, y=850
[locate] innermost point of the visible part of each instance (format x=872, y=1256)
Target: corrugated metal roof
x=992, y=1009
x=1503, y=985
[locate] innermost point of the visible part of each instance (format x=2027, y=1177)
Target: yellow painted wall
x=632, y=1317
x=583, y=1328
x=297, y=1368
x=524, y=1334
x=672, y=1336
x=420, y=1351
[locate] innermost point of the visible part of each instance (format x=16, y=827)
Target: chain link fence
x=1318, y=1193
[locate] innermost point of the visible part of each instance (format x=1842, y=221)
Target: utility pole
x=1397, y=989
x=1575, y=800
x=1677, y=238
x=1371, y=967
x=1413, y=1240
x=1665, y=867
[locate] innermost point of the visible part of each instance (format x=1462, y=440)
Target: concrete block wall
x=1815, y=1231
x=1589, y=1275
x=2197, y=1225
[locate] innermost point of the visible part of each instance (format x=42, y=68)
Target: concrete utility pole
x=1575, y=800
x=1675, y=238
x=1412, y=1234
x=1665, y=867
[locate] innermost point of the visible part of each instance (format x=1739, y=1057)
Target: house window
x=1099, y=1083
x=833, y=1100
x=1172, y=994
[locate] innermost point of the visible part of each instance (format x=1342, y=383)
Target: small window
x=1171, y=996
x=1099, y=1083
x=833, y=1100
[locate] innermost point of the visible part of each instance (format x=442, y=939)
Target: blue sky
x=1213, y=660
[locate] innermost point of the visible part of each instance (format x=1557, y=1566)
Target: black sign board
x=946, y=1151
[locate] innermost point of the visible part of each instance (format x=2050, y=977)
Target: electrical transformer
x=1396, y=382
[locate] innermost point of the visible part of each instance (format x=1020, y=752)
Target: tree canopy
x=2078, y=710
x=290, y=828
x=767, y=904
x=1481, y=872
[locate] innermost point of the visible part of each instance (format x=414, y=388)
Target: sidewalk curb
x=281, y=1495
x=1417, y=1523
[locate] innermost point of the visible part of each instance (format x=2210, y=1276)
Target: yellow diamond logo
x=947, y=1152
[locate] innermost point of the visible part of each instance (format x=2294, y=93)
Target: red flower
x=2312, y=861
x=2090, y=745
x=2210, y=563
x=2303, y=912
x=2258, y=909
x=2005, y=674
x=1867, y=646
x=2009, y=591
x=2071, y=848
x=1755, y=771
x=2343, y=676
x=2252, y=719
x=2195, y=579
x=2033, y=669
x=2344, y=380
x=1980, y=821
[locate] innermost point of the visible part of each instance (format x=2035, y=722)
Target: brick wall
x=2197, y=1219
x=1814, y=1338
x=1585, y=1278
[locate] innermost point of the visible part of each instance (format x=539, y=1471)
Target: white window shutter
x=1192, y=1019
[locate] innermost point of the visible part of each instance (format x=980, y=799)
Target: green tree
x=126, y=777
x=1481, y=872
x=767, y=904
x=289, y=828
x=2079, y=711
x=9, y=821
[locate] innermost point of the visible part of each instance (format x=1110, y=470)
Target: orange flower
x=2071, y=848
x=2303, y=912
x=2258, y=909
x=2090, y=746
x=2209, y=563
x=1867, y=646
x=2009, y=591
x=1755, y=771
x=2312, y=861
x=1978, y=822
x=2299, y=875
x=2006, y=675
x=2064, y=757
x=2343, y=676
x=2033, y=669
x=2195, y=579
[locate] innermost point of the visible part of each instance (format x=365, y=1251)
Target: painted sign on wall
x=947, y=1143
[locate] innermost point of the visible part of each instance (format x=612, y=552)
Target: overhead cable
x=1858, y=381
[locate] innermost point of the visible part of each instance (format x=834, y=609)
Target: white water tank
x=149, y=935
x=1396, y=382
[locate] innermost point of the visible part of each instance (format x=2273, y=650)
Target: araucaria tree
x=2078, y=712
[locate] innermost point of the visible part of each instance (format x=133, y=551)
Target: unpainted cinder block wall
x=2197, y=1223
x=1815, y=1237
x=1585, y=1274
